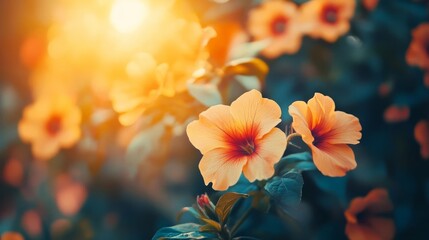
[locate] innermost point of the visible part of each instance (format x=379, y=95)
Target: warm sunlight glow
x=127, y=15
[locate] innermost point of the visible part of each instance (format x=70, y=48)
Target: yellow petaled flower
x=328, y=19
x=144, y=85
x=182, y=47
x=238, y=138
x=327, y=132
x=50, y=124
x=279, y=21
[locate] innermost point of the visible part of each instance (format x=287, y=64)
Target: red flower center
x=279, y=25
x=53, y=125
x=329, y=14
x=318, y=135
x=242, y=144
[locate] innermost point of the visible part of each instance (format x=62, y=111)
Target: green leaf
x=286, y=191
x=260, y=201
x=183, y=231
x=298, y=162
x=248, y=67
x=225, y=203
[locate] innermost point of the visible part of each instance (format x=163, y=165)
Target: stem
x=240, y=221
x=290, y=136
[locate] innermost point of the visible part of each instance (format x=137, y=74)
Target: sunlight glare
x=127, y=15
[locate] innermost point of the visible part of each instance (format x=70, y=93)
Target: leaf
x=225, y=203
x=183, y=231
x=143, y=146
x=208, y=228
x=298, y=162
x=207, y=94
x=286, y=191
x=212, y=223
x=248, y=67
x=185, y=210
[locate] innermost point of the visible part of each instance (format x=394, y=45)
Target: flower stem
x=289, y=138
x=240, y=221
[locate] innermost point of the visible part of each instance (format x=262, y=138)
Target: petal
x=357, y=205
x=301, y=119
x=333, y=160
x=360, y=232
x=269, y=150
x=44, y=149
x=28, y=130
x=383, y=227
x=378, y=201
x=322, y=110
x=252, y=111
x=345, y=130
x=221, y=168
x=212, y=138
x=68, y=137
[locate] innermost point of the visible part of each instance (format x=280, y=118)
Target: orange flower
x=328, y=19
x=418, y=51
x=238, y=138
x=143, y=86
x=279, y=21
x=370, y=4
x=49, y=124
x=11, y=236
x=327, y=133
x=366, y=217
x=421, y=134
x=395, y=114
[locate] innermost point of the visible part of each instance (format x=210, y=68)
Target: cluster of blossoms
x=243, y=138
x=146, y=74
x=284, y=23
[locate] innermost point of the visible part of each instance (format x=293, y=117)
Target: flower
x=50, y=124
x=205, y=204
x=327, y=133
x=182, y=46
x=418, y=50
x=279, y=21
x=421, y=134
x=238, y=138
x=395, y=114
x=131, y=97
x=11, y=236
x=366, y=217
x=370, y=5
x=327, y=19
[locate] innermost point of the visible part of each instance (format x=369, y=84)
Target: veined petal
x=269, y=150
x=322, y=109
x=251, y=111
x=333, y=160
x=301, y=118
x=221, y=168
x=346, y=130
x=383, y=227
x=205, y=136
